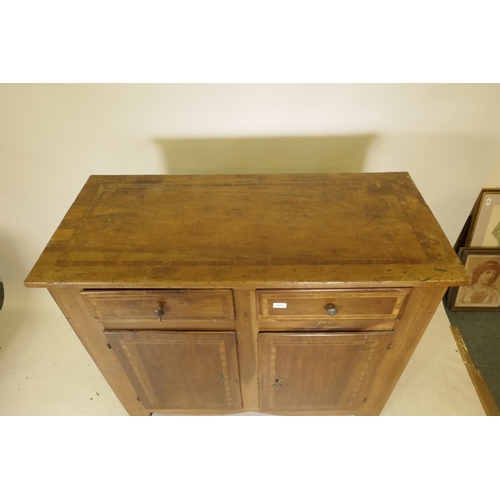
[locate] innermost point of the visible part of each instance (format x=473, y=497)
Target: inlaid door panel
x=180, y=370
x=318, y=372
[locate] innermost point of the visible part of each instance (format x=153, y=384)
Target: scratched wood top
x=220, y=230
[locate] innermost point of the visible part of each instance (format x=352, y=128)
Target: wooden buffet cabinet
x=279, y=293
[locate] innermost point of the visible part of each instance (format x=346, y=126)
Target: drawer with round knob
x=161, y=309
x=352, y=309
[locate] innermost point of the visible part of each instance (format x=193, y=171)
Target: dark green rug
x=481, y=334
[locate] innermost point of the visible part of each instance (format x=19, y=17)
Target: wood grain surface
x=317, y=229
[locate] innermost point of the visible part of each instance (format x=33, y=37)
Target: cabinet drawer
x=147, y=308
x=330, y=309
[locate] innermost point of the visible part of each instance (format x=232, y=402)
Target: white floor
x=44, y=370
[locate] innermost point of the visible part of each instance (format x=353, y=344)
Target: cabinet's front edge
x=245, y=285
x=90, y=333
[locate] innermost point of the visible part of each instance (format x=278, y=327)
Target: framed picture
x=483, y=293
x=462, y=237
x=485, y=224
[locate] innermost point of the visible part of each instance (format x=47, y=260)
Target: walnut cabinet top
x=309, y=230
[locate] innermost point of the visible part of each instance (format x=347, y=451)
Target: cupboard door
x=328, y=372
x=180, y=370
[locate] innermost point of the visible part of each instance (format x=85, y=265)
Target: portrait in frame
x=483, y=292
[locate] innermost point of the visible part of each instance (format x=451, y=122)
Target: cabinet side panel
x=90, y=333
x=420, y=309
